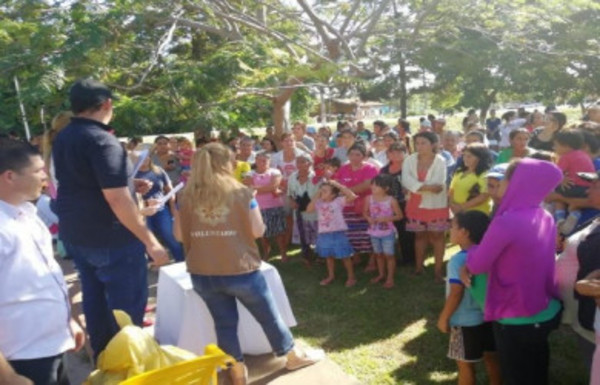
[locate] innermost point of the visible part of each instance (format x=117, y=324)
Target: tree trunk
x=486, y=106
x=281, y=108
x=280, y=116
x=323, y=112
x=403, y=92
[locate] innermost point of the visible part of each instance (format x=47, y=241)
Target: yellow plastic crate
x=199, y=371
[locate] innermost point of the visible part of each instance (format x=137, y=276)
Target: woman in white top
x=510, y=122
x=285, y=161
x=424, y=176
x=302, y=187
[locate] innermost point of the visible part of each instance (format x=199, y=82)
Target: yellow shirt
x=241, y=169
x=461, y=185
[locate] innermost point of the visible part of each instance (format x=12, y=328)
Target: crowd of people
x=389, y=194
x=512, y=193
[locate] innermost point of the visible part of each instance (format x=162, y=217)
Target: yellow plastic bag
x=131, y=352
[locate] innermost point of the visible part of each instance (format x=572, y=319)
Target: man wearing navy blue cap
x=88, y=94
x=100, y=224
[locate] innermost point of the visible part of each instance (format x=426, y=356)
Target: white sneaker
x=299, y=358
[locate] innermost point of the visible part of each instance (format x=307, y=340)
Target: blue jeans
x=161, y=224
x=220, y=294
x=111, y=279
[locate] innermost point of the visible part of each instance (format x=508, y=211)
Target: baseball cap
x=311, y=130
x=88, y=93
x=589, y=176
x=425, y=123
x=498, y=171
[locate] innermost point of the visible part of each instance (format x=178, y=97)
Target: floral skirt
x=274, y=220
x=437, y=225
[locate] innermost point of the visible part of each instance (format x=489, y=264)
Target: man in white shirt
x=36, y=327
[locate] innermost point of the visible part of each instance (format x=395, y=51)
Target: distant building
x=354, y=109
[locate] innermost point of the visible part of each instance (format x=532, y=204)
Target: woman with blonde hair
x=218, y=222
x=59, y=122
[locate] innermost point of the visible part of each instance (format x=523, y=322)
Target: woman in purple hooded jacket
x=517, y=253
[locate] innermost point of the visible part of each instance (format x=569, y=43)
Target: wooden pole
x=323, y=111
x=23, y=116
x=43, y=118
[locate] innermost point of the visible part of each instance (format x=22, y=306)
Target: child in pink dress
x=332, y=241
x=381, y=212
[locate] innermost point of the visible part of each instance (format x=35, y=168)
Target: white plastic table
x=182, y=318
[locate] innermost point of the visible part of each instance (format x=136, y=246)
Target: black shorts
x=468, y=343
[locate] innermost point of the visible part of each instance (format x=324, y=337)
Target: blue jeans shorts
x=384, y=245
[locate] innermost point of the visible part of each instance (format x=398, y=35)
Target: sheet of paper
x=171, y=194
x=141, y=157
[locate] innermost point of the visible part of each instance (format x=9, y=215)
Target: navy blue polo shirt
x=87, y=159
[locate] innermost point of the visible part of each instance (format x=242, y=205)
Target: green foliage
x=540, y=50
x=192, y=84
x=214, y=71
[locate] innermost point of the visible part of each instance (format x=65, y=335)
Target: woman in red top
x=357, y=175
x=322, y=153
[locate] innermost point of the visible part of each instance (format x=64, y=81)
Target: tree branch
x=254, y=24
x=242, y=93
x=229, y=35
x=422, y=18
x=287, y=91
x=295, y=84
x=375, y=16
x=331, y=44
x=164, y=41
x=350, y=16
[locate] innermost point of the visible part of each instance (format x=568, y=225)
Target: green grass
x=390, y=336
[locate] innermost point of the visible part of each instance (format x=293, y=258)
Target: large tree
x=547, y=50
x=315, y=42
x=182, y=65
